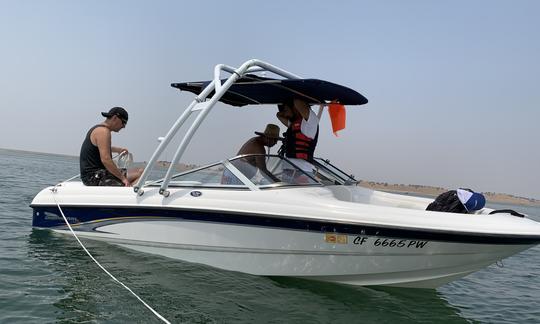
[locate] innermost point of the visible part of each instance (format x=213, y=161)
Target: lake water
x=47, y=278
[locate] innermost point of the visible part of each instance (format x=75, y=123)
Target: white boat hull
x=344, y=234
x=355, y=260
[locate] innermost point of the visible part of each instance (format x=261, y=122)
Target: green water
x=47, y=278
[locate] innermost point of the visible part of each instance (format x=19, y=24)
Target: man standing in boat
x=302, y=132
x=95, y=158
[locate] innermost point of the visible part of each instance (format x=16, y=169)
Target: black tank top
x=89, y=159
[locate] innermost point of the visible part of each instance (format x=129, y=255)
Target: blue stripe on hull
x=50, y=217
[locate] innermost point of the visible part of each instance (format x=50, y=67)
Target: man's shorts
x=102, y=177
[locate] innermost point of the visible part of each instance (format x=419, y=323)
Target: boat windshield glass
x=270, y=170
x=328, y=170
x=213, y=175
x=245, y=172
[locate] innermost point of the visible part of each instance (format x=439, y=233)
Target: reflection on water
x=381, y=304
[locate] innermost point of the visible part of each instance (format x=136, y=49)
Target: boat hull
x=276, y=246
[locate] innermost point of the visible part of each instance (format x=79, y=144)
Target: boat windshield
x=330, y=174
x=246, y=172
x=279, y=171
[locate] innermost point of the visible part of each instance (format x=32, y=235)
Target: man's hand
x=120, y=150
x=126, y=182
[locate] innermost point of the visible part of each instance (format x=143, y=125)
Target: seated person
x=95, y=159
x=250, y=165
x=462, y=201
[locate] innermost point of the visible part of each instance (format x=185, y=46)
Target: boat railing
x=203, y=105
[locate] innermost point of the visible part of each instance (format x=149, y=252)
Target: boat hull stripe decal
x=49, y=217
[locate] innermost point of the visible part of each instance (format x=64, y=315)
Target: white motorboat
x=324, y=227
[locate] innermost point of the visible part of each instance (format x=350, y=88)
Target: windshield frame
x=247, y=184
x=345, y=179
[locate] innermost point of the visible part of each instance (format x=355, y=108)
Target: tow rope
x=54, y=190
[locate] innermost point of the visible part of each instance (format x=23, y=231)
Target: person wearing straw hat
x=255, y=145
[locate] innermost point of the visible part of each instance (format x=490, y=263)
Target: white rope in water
x=54, y=190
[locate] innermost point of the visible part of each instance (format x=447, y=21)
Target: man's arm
x=260, y=162
x=302, y=108
x=309, y=126
x=284, y=120
x=103, y=142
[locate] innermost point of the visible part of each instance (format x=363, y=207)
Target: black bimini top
x=255, y=90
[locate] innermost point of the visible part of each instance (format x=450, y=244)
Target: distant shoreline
x=36, y=152
x=430, y=191
x=435, y=191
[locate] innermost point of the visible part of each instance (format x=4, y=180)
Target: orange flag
x=337, y=116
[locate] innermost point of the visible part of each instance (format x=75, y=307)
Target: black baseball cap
x=118, y=111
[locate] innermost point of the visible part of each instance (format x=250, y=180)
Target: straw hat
x=271, y=131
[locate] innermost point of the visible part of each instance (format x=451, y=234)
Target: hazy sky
x=453, y=86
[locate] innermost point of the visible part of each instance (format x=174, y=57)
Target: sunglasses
x=124, y=121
